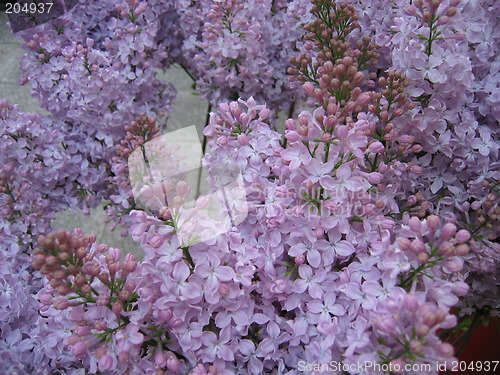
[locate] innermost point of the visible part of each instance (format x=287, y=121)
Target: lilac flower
x=214, y=273
x=309, y=282
x=326, y=307
x=217, y=347
x=184, y=289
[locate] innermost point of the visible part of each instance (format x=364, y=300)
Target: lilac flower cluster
x=40, y=174
x=451, y=72
x=121, y=203
x=95, y=69
x=234, y=48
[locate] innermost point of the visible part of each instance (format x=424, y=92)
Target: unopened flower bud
x=173, y=363
x=375, y=178
x=446, y=349
x=448, y=231
x=292, y=136
x=454, y=265
x=385, y=324
x=415, y=224
x=410, y=302
x=422, y=258
x=462, y=249
x=223, y=289
x=117, y=307
x=160, y=360
x=416, y=346
x=300, y=259
x=61, y=304
x=462, y=236
x=376, y=147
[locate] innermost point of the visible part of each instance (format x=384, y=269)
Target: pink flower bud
x=460, y=288
x=416, y=148
x=448, y=231
x=415, y=224
x=202, y=203
x=79, y=349
x=375, y=178
x=124, y=357
x=243, y=139
x=443, y=20
x=165, y=315
x=417, y=169
x=364, y=98
x=397, y=366
x=446, y=248
x=450, y=12
x=385, y=324
x=387, y=223
x=332, y=108
x=156, y=241
x=182, y=188
x=446, y=349
x=100, y=325
x=61, y=304
x=175, y=323
x=462, y=249
x=129, y=263
x=410, y=10
x=341, y=131
x=417, y=246
x=264, y=114
x=376, y=147
x=476, y=205
x=117, y=307
x=382, y=167
x=160, y=359
x=308, y=88
x=105, y=362
x=433, y=222
x=102, y=299
x=244, y=119
x=404, y=243
x=454, y=265
x=416, y=346
x=89, y=42
x=303, y=130
x=327, y=137
x=292, y=135
x=290, y=124
x=300, y=259
x=223, y=289
x=319, y=232
x=45, y=299
x=462, y=236
x=410, y=302
x=173, y=363
x=422, y=258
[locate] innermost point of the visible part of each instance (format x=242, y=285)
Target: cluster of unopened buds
x=432, y=10
x=337, y=71
x=446, y=245
x=135, y=9
x=138, y=133
x=69, y=262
